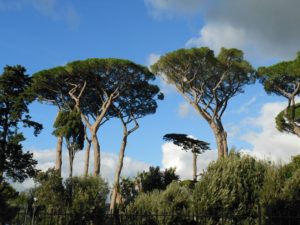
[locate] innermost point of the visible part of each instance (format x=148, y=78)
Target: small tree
x=68, y=124
x=156, y=179
x=189, y=144
x=283, y=79
x=207, y=82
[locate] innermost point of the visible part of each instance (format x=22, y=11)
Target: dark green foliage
x=82, y=198
x=7, y=197
x=282, y=78
x=155, y=179
x=86, y=199
x=174, y=202
x=51, y=86
x=105, y=76
x=230, y=188
x=50, y=192
x=190, y=184
x=281, y=193
x=68, y=124
x=14, y=100
x=128, y=191
x=198, y=70
x=187, y=143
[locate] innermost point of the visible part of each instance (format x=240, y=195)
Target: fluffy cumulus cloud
x=217, y=35
x=54, y=9
x=46, y=160
x=265, y=30
x=268, y=142
x=174, y=156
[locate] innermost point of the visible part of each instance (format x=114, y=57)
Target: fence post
x=259, y=214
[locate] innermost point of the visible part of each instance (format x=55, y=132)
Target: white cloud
x=244, y=108
x=159, y=8
x=266, y=30
x=268, y=142
x=217, y=35
x=46, y=159
x=174, y=156
x=54, y=9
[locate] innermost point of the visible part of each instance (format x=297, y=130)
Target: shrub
x=86, y=198
x=230, y=188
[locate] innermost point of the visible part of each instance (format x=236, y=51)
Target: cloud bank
x=267, y=30
x=268, y=143
x=46, y=160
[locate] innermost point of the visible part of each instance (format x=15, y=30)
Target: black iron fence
x=59, y=218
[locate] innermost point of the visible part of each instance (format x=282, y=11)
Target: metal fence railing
x=43, y=218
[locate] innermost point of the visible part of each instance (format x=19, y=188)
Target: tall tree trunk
x=221, y=139
x=96, y=148
x=71, y=160
x=195, y=166
x=87, y=158
x=118, y=173
x=58, y=162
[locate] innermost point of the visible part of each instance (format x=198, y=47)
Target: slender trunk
x=71, y=159
x=118, y=172
x=221, y=139
x=59, y=154
x=87, y=158
x=195, y=166
x=96, y=148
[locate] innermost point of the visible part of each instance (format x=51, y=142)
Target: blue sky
x=40, y=34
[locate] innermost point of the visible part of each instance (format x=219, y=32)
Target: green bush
x=281, y=194
x=81, y=198
x=50, y=192
x=230, y=189
x=174, y=202
x=86, y=198
x=8, y=196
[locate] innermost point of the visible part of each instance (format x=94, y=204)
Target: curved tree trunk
x=194, y=166
x=96, y=148
x=58, y=162
x=118, y=173
x=126, y=133
x=87, y=158
x=221, y=139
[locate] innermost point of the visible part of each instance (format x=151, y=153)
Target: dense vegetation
x=235, y=189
